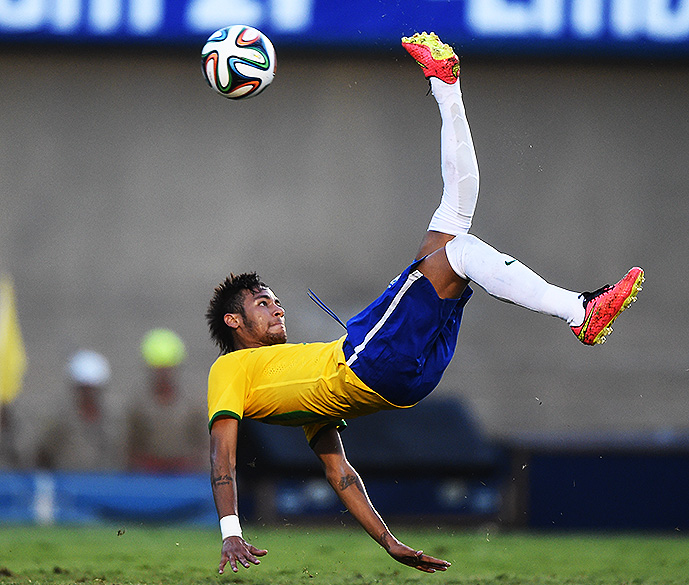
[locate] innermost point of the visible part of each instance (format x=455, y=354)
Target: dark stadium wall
x=129, y=189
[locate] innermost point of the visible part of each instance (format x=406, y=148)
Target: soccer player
x=394, y=352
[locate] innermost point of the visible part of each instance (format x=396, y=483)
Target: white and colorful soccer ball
x=238, y=61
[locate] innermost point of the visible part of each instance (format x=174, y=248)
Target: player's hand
x=415, y=558
x=236, y=551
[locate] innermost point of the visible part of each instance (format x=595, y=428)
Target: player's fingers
x=426, y=563
x=223, y=562
x=433, y=560
x=433, y=563
x=249, y=558
x=415, y=560
x=259, y=552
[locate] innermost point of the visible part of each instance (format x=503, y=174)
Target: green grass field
x=335, y=556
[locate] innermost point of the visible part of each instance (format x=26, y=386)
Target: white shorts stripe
x=411, y=279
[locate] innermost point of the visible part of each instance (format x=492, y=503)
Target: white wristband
x=229, y=526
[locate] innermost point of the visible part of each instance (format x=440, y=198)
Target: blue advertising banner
x=527, y=27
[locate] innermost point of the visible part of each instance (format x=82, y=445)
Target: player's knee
x=456, y=250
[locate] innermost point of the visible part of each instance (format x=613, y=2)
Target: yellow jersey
x=307, y=385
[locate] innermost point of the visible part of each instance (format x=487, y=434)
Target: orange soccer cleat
x=436, y=58
x=604, y=305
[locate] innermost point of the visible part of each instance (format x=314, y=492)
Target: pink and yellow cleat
x=603, y=306
x=436, y=58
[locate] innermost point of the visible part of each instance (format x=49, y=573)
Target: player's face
x=263, y=320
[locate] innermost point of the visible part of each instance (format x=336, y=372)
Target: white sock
x=507, y=279
x=458, y=163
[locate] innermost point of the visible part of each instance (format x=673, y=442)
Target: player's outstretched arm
x=235, y=550
x=350, y=489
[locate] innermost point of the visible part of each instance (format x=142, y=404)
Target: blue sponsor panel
x=528, y=27
x=87, y=498
x=17, y=500
x=76, y=498
x=457, y=499
x=113, y=497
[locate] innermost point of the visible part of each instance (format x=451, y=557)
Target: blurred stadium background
x=128, y=190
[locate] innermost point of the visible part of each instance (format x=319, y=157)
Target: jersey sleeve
x=227, y=386
x=313, y=430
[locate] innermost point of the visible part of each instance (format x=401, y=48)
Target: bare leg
x=437, y=269
x=431, y=242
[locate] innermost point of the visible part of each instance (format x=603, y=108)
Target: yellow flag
x=12, y=352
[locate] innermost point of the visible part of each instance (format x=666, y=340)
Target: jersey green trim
x=223, y=413
x=295, y=418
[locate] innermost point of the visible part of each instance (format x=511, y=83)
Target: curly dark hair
x=228, y=297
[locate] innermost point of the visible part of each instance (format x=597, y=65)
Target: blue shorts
x=401, y=344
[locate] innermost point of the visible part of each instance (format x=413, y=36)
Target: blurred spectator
x=79, y=439
x=167, y=433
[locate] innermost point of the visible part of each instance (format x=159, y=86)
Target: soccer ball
x=238, y=61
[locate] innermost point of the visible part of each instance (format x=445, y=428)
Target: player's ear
x=232, y=320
